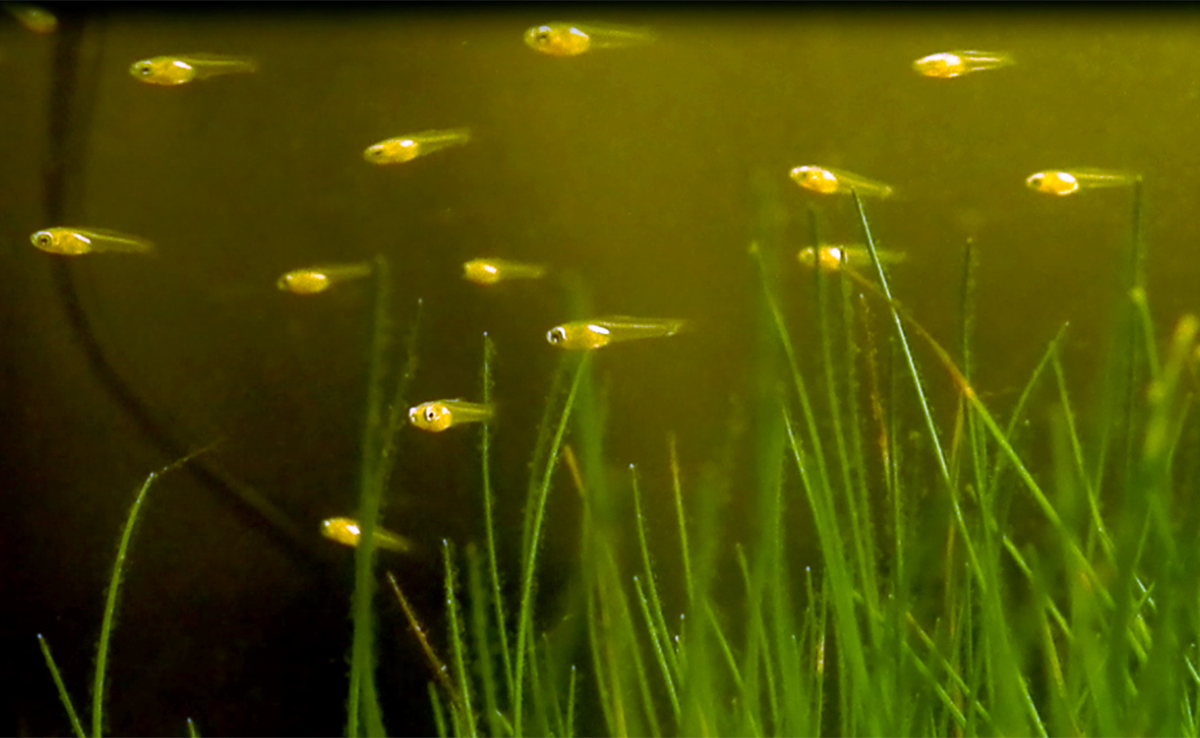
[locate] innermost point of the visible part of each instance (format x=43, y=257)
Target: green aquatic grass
x=956, y=588
x=62, y=688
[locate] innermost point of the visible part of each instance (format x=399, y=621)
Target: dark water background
x=638, y=168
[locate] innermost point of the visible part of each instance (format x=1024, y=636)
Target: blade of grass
x=479, y=628
x=114, y=587
x=362, y=702
x=192, y=729
x=683, y=540
x=62, y=689
x=527, y=579
x=570, y=729
x=489, y=355
x=439, y=714
x=440, y=672
x=659, y=624
x=457, y=647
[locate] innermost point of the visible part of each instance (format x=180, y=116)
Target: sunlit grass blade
x=683, y=537
x=440, y=672
x=661, y=636
x=62, y=689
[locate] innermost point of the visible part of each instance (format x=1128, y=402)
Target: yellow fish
x=857, y=257
x=1070, y=182
x=592, y=334
x=320, y=278
x=951, y=64
x=439, y=415
x=572, y=39
x=833, y=181
x=32, y=17
x=491, y=271
x=406, y=148
x=76, y=241
x=346, y=532
x=179, y=70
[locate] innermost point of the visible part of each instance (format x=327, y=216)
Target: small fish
x=346, y=532
x=951, y=64
x=834, y=181
x=857, y=257
x=491, y=271
x=439, y=415
x=179, y=70
x=406, y=148
x=316, y=279
x=76, y=241
x=1070, y=182
x=32, y=17
x=571, y=39
x=592, y=334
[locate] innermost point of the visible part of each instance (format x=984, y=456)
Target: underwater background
x=647, y=171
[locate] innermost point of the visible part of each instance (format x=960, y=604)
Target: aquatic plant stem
x=362, y=696
x=114, y=587
x=525, y=613
x=489, y=355
x=62, y=689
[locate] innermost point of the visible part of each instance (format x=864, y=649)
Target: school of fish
x=560, y=40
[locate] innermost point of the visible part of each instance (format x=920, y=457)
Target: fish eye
x=42, y=239
x=430, y=415
x=143, y=68
x=542, y=36
x=556, y=335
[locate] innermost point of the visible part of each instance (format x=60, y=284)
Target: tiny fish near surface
x=1068, y=182
x=317, y=279
x=837, y=182
x=77, y=241
x=491, y=271
x=406, y=148
x=170, y=71
x=561, y=39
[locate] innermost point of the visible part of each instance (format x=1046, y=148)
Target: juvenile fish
x=834, y=181
x=571, y=39
x=951, y=64
x=316, y=279
x=1069, y=182
x=346, y=532
x=439, y=415
x=76, y=241
x=179, y=70
x=491, y=271
x=406, y=148
x=587, y=335
x=38, y=20
x=857, y=257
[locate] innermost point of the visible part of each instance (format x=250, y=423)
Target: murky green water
x=645, y=170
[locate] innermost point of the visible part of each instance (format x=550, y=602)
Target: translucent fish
x=571, y=39
x=179, y=70
x=406, y=148
x=835, y=181
x=346, y=532
x=587, y=335
x=1071, y=181
x=439, y=415
x=76, y=241
x=951, y=64
x=316, y=279
x=38, y=20
x=857, y=257
x=491, y=271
